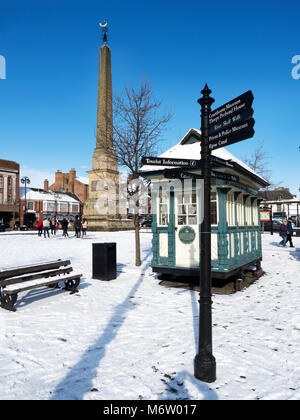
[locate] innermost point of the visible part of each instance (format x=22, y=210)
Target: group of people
x=286, y=232
x=48, y=225
x=80, y=227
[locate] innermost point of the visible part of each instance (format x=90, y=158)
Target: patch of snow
x=133, y=339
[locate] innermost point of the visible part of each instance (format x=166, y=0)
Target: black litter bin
x=105, y=261
x=2, y=228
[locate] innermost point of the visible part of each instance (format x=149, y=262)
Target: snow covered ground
x=131, y=338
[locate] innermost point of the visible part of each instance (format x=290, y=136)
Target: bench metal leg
x=72, y=285
x=8, y=301
x=54, y=286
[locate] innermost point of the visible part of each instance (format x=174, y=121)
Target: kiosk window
x=163, y=213
x=230, y=208
x=213, y=209
x=187, y=209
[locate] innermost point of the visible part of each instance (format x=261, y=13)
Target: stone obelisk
x=101, y=209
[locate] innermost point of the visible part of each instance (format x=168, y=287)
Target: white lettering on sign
x=227, y=132
x=227, y=110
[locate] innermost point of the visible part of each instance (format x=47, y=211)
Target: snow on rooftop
x=83, y=179
x=193, y=151
x=42, y=195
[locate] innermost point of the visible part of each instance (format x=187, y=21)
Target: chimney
x=46, y=185
x=72, y=178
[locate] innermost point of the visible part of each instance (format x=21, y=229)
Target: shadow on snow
x=79, y=380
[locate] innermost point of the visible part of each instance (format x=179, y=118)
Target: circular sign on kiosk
x=187, y=234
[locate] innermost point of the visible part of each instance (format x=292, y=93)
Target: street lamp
x=25, y=180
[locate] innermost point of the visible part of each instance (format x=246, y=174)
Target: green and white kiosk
x=235, y=221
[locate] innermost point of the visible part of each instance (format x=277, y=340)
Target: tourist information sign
x=164, y=161
x=178, y=173
x=231, y=122
x=225, y=177
x=233, y=107
x=183, y=163
x=232, y=135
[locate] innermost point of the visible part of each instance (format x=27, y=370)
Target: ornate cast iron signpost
x=204, y=362
x=226, y=125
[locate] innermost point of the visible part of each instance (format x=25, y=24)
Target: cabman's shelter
x=176, y=224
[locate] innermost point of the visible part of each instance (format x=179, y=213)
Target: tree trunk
x=137, y=240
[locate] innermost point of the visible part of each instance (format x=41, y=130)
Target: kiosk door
x=186, y=230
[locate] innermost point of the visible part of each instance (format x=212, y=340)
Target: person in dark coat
x=290, y=231
x=77, y=226
x=283, y=233
x=64, y=225
x=53, y=226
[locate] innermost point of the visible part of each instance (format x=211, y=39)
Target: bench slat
x=12, y=289
x=45, y=274
x=32, y=268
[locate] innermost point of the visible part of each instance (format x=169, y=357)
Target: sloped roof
x=277, y=195
x=192, y=150
x=37, y=194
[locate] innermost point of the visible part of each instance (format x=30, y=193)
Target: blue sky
x=49, y=97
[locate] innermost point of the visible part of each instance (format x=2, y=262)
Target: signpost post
x=204, y=362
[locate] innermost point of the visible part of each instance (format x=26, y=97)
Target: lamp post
x=25, y=180
x=204, y=362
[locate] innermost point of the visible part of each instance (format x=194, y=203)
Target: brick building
x=69, y=182
x=9, y=192
x=41, y=203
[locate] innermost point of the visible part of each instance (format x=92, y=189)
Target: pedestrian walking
x=77, y=226
x=46, y=226
x=53, y=226
x=39, y=226
x=84, y=227
x=283, y=233
x=64, y=225
x=290, y=232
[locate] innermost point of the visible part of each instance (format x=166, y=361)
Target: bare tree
x=259, y=161
x=138, y=123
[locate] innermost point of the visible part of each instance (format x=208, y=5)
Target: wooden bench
x=18, y=279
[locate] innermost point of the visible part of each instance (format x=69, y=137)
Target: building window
x=9, y=198
x=163, y=212
x=30, y=205
x=240, y=210
x=248, y=212
x=1, y=181
x=187, y=209
x=64, y=207
x=1, y=198
x=94, y=185
x=255, y=213
x=214, y=208
x=75, y=208
x=9, y=182
x=230, y=209
x=51, y=206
